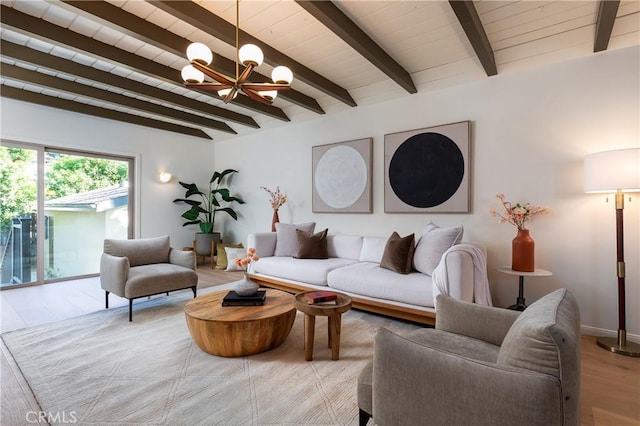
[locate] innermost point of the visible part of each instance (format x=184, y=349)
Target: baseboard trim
x=595, y=331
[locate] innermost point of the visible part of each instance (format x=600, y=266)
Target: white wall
x=188, y=158
x=530, y=132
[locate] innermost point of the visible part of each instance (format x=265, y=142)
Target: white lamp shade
x=192, y=75
x=269, y=94
x=199, y=52
x=610, y=171
x=250, y=53
x=282, y=75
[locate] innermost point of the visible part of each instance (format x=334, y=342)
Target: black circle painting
x=427, y=170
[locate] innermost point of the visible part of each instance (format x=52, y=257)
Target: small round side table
x=520, y=305
x=332, y=311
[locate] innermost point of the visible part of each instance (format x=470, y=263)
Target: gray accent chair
x=479, y=366
x=145, y=267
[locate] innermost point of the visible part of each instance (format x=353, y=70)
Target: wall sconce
x=164, y=177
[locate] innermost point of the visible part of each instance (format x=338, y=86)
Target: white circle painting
x=341, y=177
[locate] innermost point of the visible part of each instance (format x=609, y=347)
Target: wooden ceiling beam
x=68, y=86
x=335, y=20
x=472, y=26
x=57, y=64
x=39, y=28
x=58, y=103
x=134, y=26
x=607, y=12
x=201, y=18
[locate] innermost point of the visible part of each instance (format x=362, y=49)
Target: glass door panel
x=86, y=200
x=18, y=215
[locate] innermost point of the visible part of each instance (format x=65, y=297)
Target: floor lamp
x=616, y=171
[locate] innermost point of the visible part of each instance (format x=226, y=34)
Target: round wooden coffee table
x=333, y=312
x=232, y=331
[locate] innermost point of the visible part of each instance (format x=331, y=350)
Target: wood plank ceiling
x=121, y=59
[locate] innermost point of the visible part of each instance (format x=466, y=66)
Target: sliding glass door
x=70, y=202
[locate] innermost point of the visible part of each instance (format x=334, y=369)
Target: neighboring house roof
x=97, y=200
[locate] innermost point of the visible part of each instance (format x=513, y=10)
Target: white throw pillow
x=232, y=254
x=287, y=239
x=373, y=249
x=432, y=245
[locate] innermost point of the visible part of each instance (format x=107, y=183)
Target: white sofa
x=353, y=268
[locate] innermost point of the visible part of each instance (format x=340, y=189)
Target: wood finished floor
x=610, y=383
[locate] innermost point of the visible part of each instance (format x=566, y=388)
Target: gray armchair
x=479, y=366
x=144, y=267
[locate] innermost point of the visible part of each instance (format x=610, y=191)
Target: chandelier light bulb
x=191, y=75
x=199, y=52
x=250, y=54
x=224, y=92
x=282, y=75
x=269, y=95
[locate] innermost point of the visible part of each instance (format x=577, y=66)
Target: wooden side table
x=332, y=311
x=520, y=305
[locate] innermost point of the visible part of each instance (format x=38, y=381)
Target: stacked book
x=234, y=299
x=320, y=297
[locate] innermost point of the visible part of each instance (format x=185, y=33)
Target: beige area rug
x=100, y=369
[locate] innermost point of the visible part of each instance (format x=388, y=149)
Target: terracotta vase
x=275, y=220
x=523, y=252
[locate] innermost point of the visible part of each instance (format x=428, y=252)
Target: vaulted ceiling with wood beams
x=121, y=59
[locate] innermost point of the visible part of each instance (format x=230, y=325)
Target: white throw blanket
x=481, y=291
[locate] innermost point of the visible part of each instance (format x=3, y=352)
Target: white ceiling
x=424, y=37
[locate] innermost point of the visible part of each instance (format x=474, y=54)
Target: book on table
x=320, y=296
x=234, y=299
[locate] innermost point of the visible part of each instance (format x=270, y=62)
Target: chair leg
x=106, y=299
x=130, y=310
x=194, y=291
x=363, y=417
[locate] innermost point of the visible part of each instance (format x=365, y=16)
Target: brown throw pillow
x=398, y=253
x=312, y=246
x=221, y=259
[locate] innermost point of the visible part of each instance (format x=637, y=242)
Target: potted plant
x=204, y=208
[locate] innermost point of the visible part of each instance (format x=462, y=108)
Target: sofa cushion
x=544, y=335
x=311, y=271
x=287, y=240
x=221, y=254
x=369, y=279
x=432, y=244
x=232, y=254
x=372, y=249
x=344, y=246
x=311, y=246
x=143, y=251
x=158, y=278
x=398, y=253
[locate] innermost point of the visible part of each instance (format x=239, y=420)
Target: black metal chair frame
x=106, y=298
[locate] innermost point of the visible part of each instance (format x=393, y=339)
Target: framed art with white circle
x=341, y=177
x=427, y=170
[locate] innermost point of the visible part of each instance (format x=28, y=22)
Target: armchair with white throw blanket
x=144, y=267
x=479, y=366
